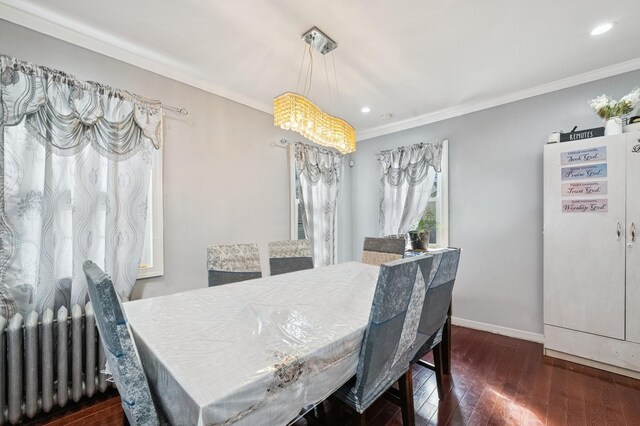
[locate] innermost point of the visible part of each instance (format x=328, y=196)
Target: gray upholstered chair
x=233, y=263
x=389, y=344
x=122, y=357
x=289, y=256
x=434, y=312
x=377, y=251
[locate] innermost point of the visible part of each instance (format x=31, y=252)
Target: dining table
x=256, y=352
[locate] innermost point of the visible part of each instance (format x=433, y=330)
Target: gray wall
x=223, y=181
x=495, y=204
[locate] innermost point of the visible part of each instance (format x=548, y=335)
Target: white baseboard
x=505, y=331
x=591, y=363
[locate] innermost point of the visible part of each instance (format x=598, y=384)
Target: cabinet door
x=584, y=259
x=633, y=244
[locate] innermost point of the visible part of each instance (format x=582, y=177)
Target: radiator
x=48, y=361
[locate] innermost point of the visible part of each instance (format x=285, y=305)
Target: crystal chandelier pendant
x=292, y=111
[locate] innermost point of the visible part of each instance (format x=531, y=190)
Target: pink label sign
x=584, y=188
x=585, y=206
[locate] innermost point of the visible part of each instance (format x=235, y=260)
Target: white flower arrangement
x=606, y=107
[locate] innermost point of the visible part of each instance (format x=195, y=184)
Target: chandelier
x=293, y=111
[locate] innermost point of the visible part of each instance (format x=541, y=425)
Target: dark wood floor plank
x=576, y=411
x=610, y=397
x=489, y=396
x=628, y=391
x=464, y=358
x=601, y=400
x=530, y=353
x=425, y=413
x=557, y=407
x=512, y=368
x=484, y=365
x=538, y=402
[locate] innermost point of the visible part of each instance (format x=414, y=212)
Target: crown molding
x=58, y=26
x=466, y=108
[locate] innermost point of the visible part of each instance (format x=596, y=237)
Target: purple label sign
x=584, y=155
x=584, y=188
x=585, y=206
x=584, y=172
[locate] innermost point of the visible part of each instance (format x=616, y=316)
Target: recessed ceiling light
x=365, y=109
x=601, y=29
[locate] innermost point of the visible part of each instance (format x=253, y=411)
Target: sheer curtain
x=407, y=175
x=319, y=178
x=76, y=163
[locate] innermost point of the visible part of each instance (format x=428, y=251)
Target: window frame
x=442, y=201
x=157, y=219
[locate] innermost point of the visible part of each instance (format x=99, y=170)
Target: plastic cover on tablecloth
x=255, y=352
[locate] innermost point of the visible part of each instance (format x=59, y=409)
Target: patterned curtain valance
x=410, y=163
x=69, y=114
x=319, y=163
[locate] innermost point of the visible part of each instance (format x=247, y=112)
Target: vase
x=419, y=240
x=613, y=126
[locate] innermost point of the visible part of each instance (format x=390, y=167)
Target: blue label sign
x=584, y=172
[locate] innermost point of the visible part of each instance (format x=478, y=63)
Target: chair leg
x=446, y=344
x=363, y=418
x=405, y=385
x=437, y=362
x=321, y=412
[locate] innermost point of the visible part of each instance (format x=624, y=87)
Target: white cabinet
x=633, y=238
x=592, y=250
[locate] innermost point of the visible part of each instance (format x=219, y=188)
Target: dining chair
x=434, y=314
x=123, y=361
x=389, y=343
x=289, y=256
x=230, y=263
x=377, y=251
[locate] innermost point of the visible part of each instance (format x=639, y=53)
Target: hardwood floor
x=495, y=380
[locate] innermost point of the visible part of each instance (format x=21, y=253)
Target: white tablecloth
x=255, y=352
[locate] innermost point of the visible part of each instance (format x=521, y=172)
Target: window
x=439, y=202
x=152, y=260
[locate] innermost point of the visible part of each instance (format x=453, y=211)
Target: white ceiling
x=418, y=59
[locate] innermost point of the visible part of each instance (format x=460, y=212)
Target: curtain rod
x=182, y=111
x=283, y=143
x=379, y=154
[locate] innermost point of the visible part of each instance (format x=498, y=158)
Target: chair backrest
x=122, y=358
x=289, y=256
x=233, y=263
x=377, y=251
x=389, y=343
x=439, y=292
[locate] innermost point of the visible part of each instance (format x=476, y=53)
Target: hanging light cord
x=309, y=74
x=308, y=78
x=304, y=51
x=326, y=73
x=335, y=75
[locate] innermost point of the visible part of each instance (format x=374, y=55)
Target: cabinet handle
x=619, y=230
x=633, y=231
